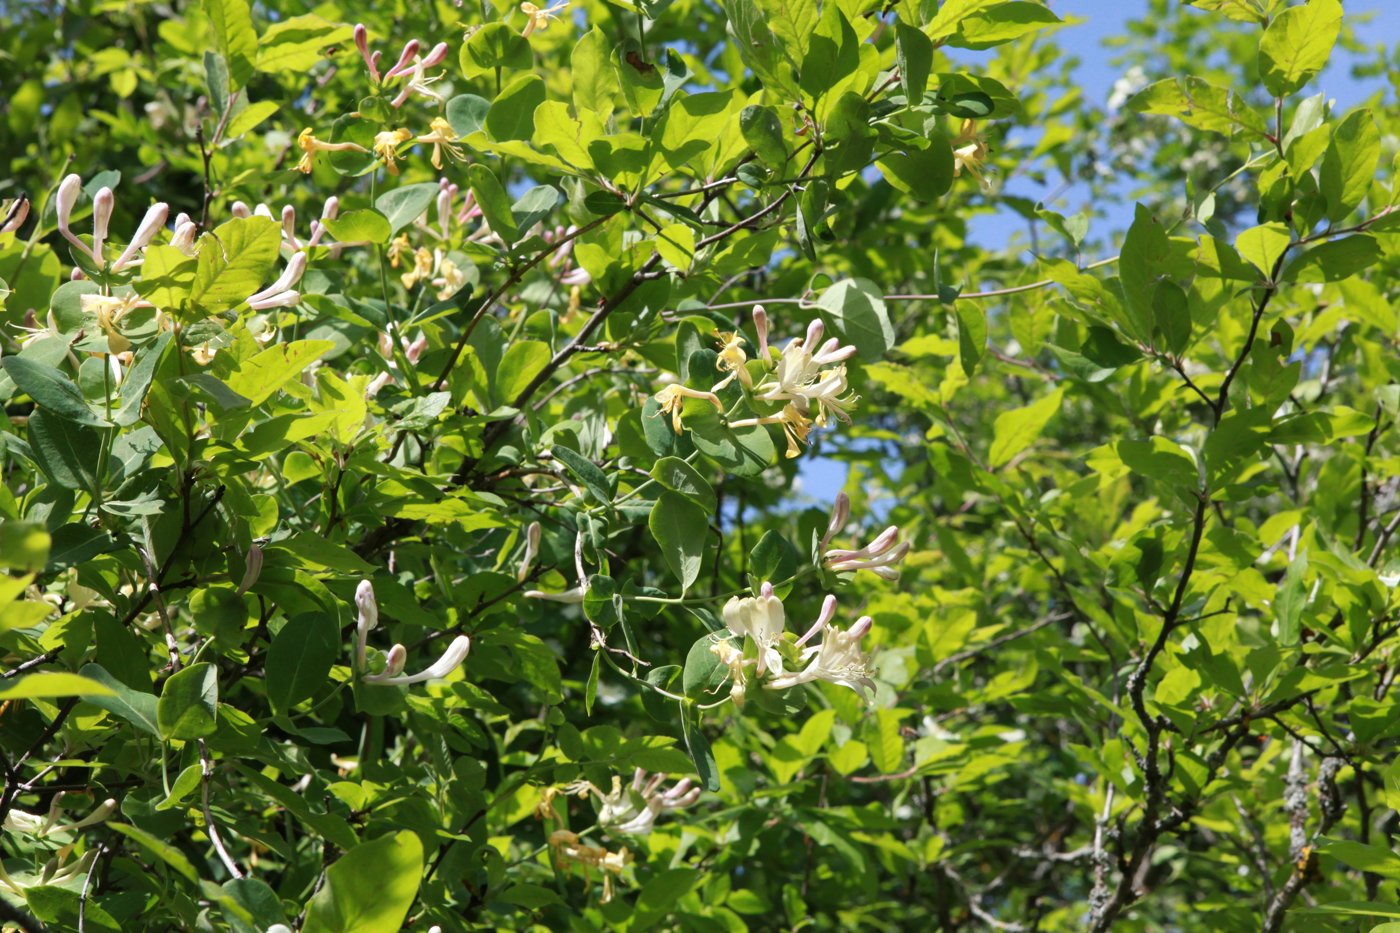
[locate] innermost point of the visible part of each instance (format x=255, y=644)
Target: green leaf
x=1297, y=45
x=773, y=559
x=1290, y=601
x=51, y=390
x=680, y=477
x=137, y=707
x=1002, y=23
x=180, y=788
x=492, y=200
x=50, y=684
x=402, y=206
x=24, y=546
x=972, y=334
x=914, y=55
x=1171, y=313
x=188, y=707
x=885, y=742
x=585, y=470
x=1177, y=686
x=700, y=753
x=512, y=113
x=159, y=848
x=493, y=46
x=522, y=362
x=300, y=658
x=261, y=377
x=763, y=131
x=703, y=673
x=923, y=174
x=1145, y=254
x=296, y=43
x=676, y=244
x=233, y=31
x=467, y=113
x=680, y=527
x=1015, y=430
x=167, y=277
x=139, y=378
x=1263, y=245
x=66, y=452
x=365, y=225
x=855, y=311
x=370, y=888
x=235, y=261
x=1380, y=860
x=1349, y=164
x=595, y=85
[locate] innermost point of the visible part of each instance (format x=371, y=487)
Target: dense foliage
x=418, y=417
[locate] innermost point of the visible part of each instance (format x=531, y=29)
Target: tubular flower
x=410, y=63
x=386, y=146
x=540, y=17
x=310, y=145
x=18, y=821
x=672, y=402
x=760, y=618
x=733, y=659
x=12, y=214
x=103, y=203
x=109, y=312
x=840, y=514
x=970, y=153
x=450, y=660
x=573, y=596
x=838, y=659
x=532, y=548
x=443, y=139
x=633, y=810
x=422, y=267
x=366, y=621
x=280, y=293
x=449, y=279
x=732, y=359
x=879, y=556
x=569, y=849
x=398, y=249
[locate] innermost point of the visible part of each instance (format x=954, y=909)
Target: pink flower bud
x=436, y=56
x=153, y=221
x=814, y=335
x=410, y=49
x=395, y=660
x=240, y=210
x=64, y=202
x=760, y=324
x=17, y=217
x=840, y=514
x=861, y=628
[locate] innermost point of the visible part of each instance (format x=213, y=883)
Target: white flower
x=840, y=514
x=633, y=810
x=760, y=618
x=532, y=548
x=367, y=621
x=451, y=659
x=102, y=206
x=574, y=595
x=838, y=659
x=280, y=293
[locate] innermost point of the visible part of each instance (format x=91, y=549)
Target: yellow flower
x=109, y=313
x=540, y=18
x=796, y=426
x=672, y=402
x=970, y=152
x=398, y=248
x=732, y=359
x=449, y=279
x=386, y=146
x=444, y=139
x=310, y=145
x=422, y=268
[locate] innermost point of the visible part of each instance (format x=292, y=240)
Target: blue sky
x=821, y=477
x=1101, y=19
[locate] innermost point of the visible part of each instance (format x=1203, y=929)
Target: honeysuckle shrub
x=421, y=426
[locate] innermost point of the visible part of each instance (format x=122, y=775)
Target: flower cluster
x=632, y=810
x=808, y=381
x=838, y=659
x=103, y=203
x=879, y=556
x=570, y=850
x=392, y=675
